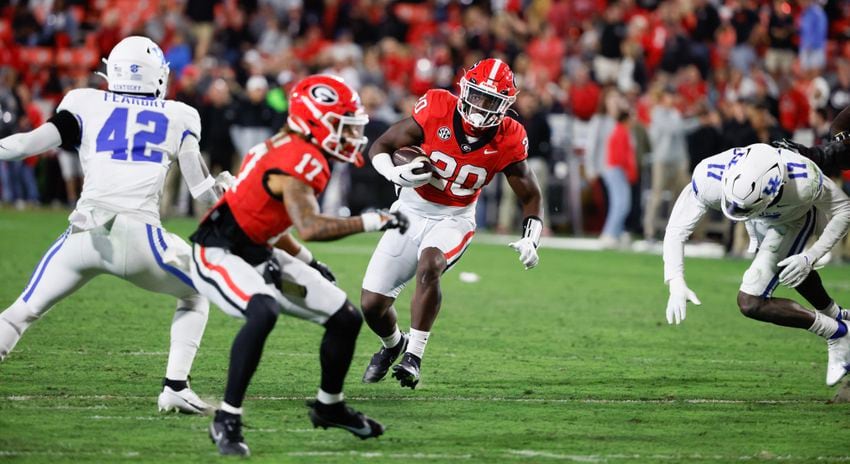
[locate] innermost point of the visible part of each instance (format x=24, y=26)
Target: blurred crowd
x=620, y=98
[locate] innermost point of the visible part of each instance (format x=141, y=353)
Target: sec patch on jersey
x=412, y=154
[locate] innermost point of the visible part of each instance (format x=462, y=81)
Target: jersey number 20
x=113, y=136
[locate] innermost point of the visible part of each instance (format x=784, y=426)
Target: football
x=412, y=154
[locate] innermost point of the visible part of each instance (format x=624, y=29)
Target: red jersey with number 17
x=259, y=213
x=461, y=165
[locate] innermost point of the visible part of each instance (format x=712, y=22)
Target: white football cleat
x=185, y=401
x=839, y=359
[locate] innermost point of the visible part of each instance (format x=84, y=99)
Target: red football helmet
x=327, y=111
x=487, y=90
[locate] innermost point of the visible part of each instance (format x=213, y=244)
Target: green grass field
x=572, y=361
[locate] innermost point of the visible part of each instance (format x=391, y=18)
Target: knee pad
x=347, y=319
x=196, y=303
x=262, y=308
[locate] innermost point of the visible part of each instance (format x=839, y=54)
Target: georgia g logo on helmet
x=323, y=94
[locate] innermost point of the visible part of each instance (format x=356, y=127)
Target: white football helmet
x=137, y=65
x=751, y=181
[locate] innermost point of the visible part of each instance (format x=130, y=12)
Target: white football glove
x=223, y=181
x=402, y=175
x=527, y=251
x=680, y=294
x=796, y=269
x=383, y=219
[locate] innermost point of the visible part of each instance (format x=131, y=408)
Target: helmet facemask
x=744, y=199
x=346, y=139
x=481, y=107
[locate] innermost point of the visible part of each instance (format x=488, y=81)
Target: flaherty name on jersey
x=133, y=100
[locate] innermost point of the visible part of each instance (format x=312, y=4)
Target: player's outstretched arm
x=401, y=134
x=197, y=176
x=686, y=213
x=291, y=246
x=303, y=209
x=832, y=201
x=43, y=138
x=524, y=184
x=829, y=156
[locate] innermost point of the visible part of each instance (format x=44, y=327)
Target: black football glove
x=786, y=144
x=324, y=270
x=396, y=220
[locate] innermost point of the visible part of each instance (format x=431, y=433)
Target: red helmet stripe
x=495, y=70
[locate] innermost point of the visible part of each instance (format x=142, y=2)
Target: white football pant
x=144, y=255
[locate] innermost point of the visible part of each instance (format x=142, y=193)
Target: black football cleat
x=407, y=371
x=226, y=433
x=341, y=416
x=382, y=360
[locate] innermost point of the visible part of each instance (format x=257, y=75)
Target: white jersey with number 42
x=127, y=145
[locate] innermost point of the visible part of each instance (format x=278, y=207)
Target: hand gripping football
x=412, y=154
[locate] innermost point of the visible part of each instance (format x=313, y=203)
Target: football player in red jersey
x=238, y=269
x=469, y=139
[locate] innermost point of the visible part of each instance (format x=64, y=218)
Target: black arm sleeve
x=69, y=129
x=831, y=156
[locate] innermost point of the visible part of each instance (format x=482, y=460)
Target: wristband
x=532, y=227
x=304, y=255
x=371, y=222
x=383, y=164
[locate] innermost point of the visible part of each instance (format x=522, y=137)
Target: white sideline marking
x=496, y=399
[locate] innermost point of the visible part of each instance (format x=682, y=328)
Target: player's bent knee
x=196, y=303
x=263, y=309
x=374, y=303
x=347, y=320
x=750, y=305
x=432, y=263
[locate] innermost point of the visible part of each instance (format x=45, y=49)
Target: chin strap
x=532, y=227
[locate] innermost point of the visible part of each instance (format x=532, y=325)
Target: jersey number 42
x=113, y=136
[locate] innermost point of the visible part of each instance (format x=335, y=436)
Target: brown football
x=411, y=154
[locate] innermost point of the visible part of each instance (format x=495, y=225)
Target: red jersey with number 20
x=463, y=166
x=261, y=215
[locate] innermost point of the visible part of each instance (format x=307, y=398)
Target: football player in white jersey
x=778, y=194
x=127, y=137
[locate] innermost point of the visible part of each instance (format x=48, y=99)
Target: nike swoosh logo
x=217, y=436
x=490, y=152
x=366, y=430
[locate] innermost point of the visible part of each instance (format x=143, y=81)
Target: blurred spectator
x=368, y=189
x=606, y=64
x=670, y=163
x=707, y=139
x=533, y=117
x=813, y=30
x=744, y=20
x=839, y=96
x=780, y=55
x=217, y=115
x=254, y=117
x=620, y=171
x=707, y=21
x=201, y=13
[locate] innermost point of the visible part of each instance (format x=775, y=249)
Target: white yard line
x=489, y=399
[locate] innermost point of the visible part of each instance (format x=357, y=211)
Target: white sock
x=417, y=342
x=825, y=326
x=832, y=311
x=230, y=409
x=187, y=329
x=393, y=339
x=329, y=398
